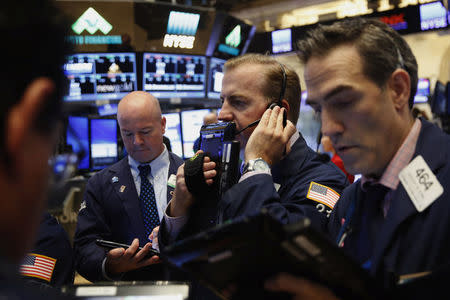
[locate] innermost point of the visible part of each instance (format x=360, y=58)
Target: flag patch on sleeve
x=36, y=265
x=323, y=194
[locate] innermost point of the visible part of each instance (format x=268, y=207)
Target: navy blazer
x=407, y=241
x=110, y=211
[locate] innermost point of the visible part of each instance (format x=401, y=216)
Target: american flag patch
x=322, y=194
x=36, y=265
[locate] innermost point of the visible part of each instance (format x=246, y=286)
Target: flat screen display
x=174, y=75
x=173, y=132
x=423, y=90
x=215, y=76
x=281, y=40
x=191, y=122
x=103, y=143
x=234, y=38
x=99, y=76
x=433, y=16
x=77, y=136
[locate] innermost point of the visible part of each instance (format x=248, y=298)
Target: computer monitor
x=173, y=132
x=234, y=38
x=99, y=76
x=77, y=137
x=423, y=91
x=281, y=40
x=439, y=99
x=191, y=122
x=215, y=76
x=174, y=75
x=103, y=143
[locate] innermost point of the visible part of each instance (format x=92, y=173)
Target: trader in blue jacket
x=123, y=202
x=278, y=162
x=361, y=77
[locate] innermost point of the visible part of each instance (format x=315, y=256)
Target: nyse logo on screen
x=181, y=30
x=91, y=21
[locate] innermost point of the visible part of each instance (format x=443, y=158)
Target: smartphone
x=112, y=245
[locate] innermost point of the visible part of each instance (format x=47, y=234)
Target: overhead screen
x=215, y=76
x=174, y=75
x=99, y=76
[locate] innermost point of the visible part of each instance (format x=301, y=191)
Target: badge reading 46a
x=420, y=183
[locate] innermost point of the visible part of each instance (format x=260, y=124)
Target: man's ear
x=400, y=87
x=163, y=124
x=285, y=104
x=22, y=115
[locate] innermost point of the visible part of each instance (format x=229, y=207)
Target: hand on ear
x=22, y=115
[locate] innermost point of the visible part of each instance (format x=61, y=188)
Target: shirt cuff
x=253, y=173
x=173, y=224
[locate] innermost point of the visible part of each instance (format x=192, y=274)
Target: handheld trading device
x=108, y=245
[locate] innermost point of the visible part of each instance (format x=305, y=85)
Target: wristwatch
x=257, y=164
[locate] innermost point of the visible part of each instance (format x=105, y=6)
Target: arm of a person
x=91, y=225
x=93, y=262
x=256, y=192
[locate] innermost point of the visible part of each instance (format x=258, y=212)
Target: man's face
x=242, y=99
x=142, y=134
x=356, y=114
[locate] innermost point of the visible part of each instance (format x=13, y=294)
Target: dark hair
x=274, y=80
x=33, y=34
x=381, y=48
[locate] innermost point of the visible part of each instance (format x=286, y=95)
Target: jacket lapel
x=126, y=191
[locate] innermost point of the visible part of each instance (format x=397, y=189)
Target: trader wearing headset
x=290, y=182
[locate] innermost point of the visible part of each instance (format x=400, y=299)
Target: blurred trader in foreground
x=361, y=77
x=290, y=186
x=124, y=202
x=31, y=84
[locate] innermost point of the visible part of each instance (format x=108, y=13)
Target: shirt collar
x=157, y=164
x=402, y=157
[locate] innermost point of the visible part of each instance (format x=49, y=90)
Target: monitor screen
x=423, y=90
x=215, y=76
x=191, y=122
x=99, y=76
x=173, y=132
x=174, y=75
x=103, y=143
x=308, y=123
x=281, y=40
x=433, y=16
x=439, y=99
x=234, y=38
x=77, y=136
